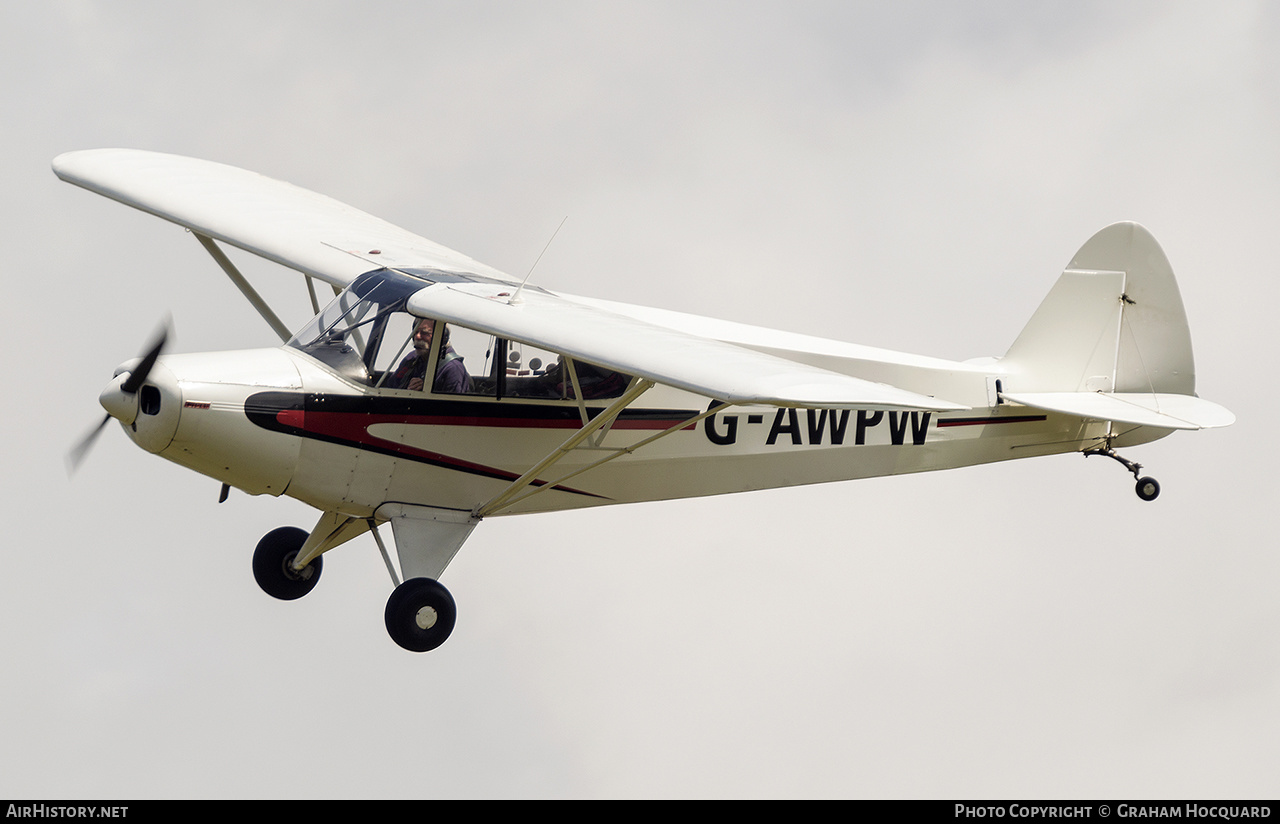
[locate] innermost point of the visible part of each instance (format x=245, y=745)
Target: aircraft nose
x=151, y=410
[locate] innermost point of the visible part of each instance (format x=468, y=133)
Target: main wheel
x=420, y=614
x=273, y=564
x=1148, y=489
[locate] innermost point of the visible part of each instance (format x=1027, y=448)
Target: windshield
x=349, y=333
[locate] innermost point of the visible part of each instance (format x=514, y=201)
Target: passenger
x=598, y=382
x=451, y=375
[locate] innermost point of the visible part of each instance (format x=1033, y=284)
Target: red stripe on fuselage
x=353, y=428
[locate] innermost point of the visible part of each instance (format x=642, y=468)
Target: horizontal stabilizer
x=1161, y=410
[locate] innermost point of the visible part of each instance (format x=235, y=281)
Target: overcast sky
x=910, y=175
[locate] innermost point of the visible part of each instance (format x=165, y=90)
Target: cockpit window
x=367, y=336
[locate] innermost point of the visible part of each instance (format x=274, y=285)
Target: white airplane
x=540, y=401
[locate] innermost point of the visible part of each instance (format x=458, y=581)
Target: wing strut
x=637, y=388
x=243, y=285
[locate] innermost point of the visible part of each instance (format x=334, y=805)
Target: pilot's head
x=424, y=331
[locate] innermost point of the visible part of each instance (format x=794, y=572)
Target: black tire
x=273, y=564
x=1148, y=489
x=420, y=614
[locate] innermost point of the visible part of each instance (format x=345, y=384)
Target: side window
x=538, y=373
x=409, y=345
x=598, y=382
x=468, y=362
x=464, y=365
x=529, y=372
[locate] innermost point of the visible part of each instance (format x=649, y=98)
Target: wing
x=703, y=366
x=294, y=227
x=328, y=240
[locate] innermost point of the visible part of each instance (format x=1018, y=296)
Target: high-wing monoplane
x=433, y=391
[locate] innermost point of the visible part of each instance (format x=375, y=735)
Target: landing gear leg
x=1147, y=488
x=420, y=613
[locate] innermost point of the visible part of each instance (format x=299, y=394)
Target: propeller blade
x=139, y=374
x=77, y=454
x=130, y=385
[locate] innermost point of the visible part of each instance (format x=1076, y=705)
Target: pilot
x=451, y=374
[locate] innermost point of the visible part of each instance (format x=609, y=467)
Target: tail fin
x=1110, y=342
x=1114, y=322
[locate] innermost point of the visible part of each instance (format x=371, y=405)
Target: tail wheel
x=420, y=614
x=273, y=564
x=1147, y=488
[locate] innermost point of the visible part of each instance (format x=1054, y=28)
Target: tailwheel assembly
x=1147, y=488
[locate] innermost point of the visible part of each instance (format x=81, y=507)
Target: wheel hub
x=420, y=614
x=290, y=572
x=426, y=617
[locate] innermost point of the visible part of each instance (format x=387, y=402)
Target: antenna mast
x=515, y=299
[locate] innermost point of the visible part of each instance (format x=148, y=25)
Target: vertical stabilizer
x=1113, y=322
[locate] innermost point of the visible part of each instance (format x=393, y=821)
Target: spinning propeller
x=120, y=398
